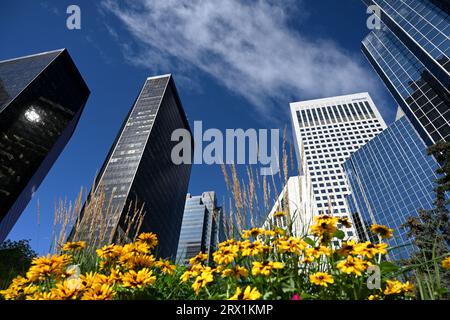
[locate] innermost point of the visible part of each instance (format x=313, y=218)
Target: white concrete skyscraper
x=326, y=132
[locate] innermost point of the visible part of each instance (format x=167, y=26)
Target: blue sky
x=235, y=66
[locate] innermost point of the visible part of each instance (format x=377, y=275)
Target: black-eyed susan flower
x=74, y=246
x=248, y=294
x=383, y=231
x=265, y=268
x=291, y=244
x=251, y=248
x=324, y=227
x=236, y=272
x=345, y=221
x=67, y=290
x=99, y=292
x=316, y=252
x=393, y=287
x=347, y=248
x=353, y=265
x=48, y=266
x=149, y=238
x=369, y=249
x=111, y=251
x=254, y=232
x=165, y=266
x=446, y=263
x=226, y=255
x=41, y=296
x=321, y=279
x=203, y=279
x=198, y=258
x=19, y=288
x=279, y=214
x=139, y=279
x=374, y=297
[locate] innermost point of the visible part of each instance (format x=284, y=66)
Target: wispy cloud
x=249, y=47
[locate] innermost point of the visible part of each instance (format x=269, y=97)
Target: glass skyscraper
x=139, y=171
x=200, y=231
x=42, y=97
x=411, y=54
x=390, y=179
x=326, y=132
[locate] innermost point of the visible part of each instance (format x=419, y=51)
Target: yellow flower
x=446, y=263
x=324, y=226
x=265, y=268
x=393, y=287
x=408, y=287
x=49, y=266
x=227, y=243
x=198, y=258
x=20, y=287
x=149, y=238
x=140, y=279
x=251, y=248
x=316, y=252
x=165, y=266
x=248, y=294
x=99, y=292
x=236, y=272
x=383, y=231
x=67, y=290
x=109, y=252
x=74, y=246
x=279, y=214
x=186, y=276
x=270, y=233
x=203, y=279
x=130, y=261
x=42, y=296
x=292, y=244
x=136, y=248
x=374, y=297
x=353, y=265
x=254, y=232
x=345, y=222
x=226, y=255
x=321, y=279
x=369, y=249
x=347, y=248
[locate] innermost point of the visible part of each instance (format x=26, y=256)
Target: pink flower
x=296, y=297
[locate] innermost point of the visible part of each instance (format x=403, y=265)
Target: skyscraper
x=391, y=178
x=139, y=171
x=297, y=200
x=326, y=132
x=411, y=54
x=200, y=228
x=42, y=97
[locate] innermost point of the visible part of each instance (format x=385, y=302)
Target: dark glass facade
x=139, y=170
x=200, y=231
x=41, y=100
x=390, y=178
x=411, y=54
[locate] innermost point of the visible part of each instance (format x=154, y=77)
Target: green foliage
x=15, y=259
x=430, y=232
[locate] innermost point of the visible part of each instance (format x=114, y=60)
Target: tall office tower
x=297, y=200
x=42, y=97
x=200, y=228
x=139, y=171
x=327, y=131
x=391, y=178
x=411, y=54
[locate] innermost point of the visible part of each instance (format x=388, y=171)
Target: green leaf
x=310, y=241
x=387, y=266
x=339, y=234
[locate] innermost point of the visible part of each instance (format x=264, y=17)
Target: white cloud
x=250, y=49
